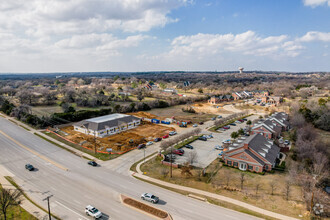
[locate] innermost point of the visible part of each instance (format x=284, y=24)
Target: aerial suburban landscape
x=182, y=110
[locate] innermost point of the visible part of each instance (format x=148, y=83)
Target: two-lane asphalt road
x=82, y=184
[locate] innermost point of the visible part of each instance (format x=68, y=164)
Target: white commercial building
x=107, y=125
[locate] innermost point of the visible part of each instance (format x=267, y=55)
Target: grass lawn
x=216, y=179
x=17, y=213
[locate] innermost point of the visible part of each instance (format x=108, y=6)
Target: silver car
x=150, y=198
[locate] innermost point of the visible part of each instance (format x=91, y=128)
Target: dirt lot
x=176, y=111
x=119, y=142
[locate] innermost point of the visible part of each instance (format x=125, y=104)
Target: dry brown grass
x=263, y=199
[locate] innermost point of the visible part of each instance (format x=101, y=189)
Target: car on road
x=150, y=197
x=178, y=152
x=92, y=163
x=219, y=116
x=157, y=139
x=195, y=125
x=213, y=119
x=150, y=143
x=172, y=133
x=218, y=147
x=165, y=136
x=226, y=127
x=141, y=146
x=201, y=123
x=189, y=146
x=232, y=124
x=29, y=167
x=92, y=211
x=244, y=119
x=202, y=138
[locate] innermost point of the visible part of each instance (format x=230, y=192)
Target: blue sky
x=152, y=35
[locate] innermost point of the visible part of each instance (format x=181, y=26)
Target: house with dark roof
x=256, y=154
x=221, y=98
x=271, y=127
x=107, y=125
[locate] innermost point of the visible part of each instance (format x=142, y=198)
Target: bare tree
x=242, y=180
x=9, y=197
x=192, y=157
x=227, y=177
x=164, y=171
x=273, y=185
x=257, y=187
x=287, y=189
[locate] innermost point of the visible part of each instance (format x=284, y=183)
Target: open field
x=118, y=142
x=177, y=112
x=215, y=181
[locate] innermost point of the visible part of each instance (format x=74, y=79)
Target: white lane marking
x=71, y=210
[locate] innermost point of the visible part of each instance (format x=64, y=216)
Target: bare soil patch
x=119, y=142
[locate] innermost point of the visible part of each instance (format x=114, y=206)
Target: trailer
x=165, y=122
x=155, y=121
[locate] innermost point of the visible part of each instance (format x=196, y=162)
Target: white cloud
x=315, y=36
x=248, y=43
x=315, y=3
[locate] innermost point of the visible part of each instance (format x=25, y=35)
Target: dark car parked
x=201, y=123
x=157, y=139
x=226, y=127
x=189, y=146
x=141, y=146
x=92, y=163
x=29, y=167
x=202, y=138
x=233, y=124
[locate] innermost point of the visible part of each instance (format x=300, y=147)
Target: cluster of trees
x=9, y=198
x=317, y=113
x=310, y=161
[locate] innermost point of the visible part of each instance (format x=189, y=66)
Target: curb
x=121, y=197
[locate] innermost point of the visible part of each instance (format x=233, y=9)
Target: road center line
x=34, y=152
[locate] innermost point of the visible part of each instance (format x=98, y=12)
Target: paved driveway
x=205, y=151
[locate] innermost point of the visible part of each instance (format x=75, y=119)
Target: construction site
x=121, y=142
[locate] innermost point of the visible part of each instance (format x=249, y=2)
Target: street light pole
x=47, y=198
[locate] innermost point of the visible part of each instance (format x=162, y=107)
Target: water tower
x=240, y=69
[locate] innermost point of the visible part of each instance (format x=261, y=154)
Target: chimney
x=246, y=146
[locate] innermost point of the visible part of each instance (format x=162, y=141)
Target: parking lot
x=205, y=149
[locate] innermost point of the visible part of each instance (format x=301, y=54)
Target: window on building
x=250, y=167
x=266, y=167
x=257, y=169
x=235, y=164
x=229, y=162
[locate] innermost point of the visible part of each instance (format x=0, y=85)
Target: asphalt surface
x=82, y=184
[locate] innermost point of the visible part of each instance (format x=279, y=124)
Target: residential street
x=82, y=185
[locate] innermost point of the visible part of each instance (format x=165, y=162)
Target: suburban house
x=281, y=119
x=150, y=86
x=260, y=93
x=256, y=154
x=242, y=95
x=218, y=99
x=170, y=90
x=107, y=125
x=275, y=100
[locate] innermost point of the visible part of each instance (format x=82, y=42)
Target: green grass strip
x=23, y=193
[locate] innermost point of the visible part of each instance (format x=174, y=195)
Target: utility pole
x=47, y=198
x=95, y=143
x=171, y=160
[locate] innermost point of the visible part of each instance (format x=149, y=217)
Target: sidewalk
x=32, y=131
x=25, y=204
x=208, y=194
